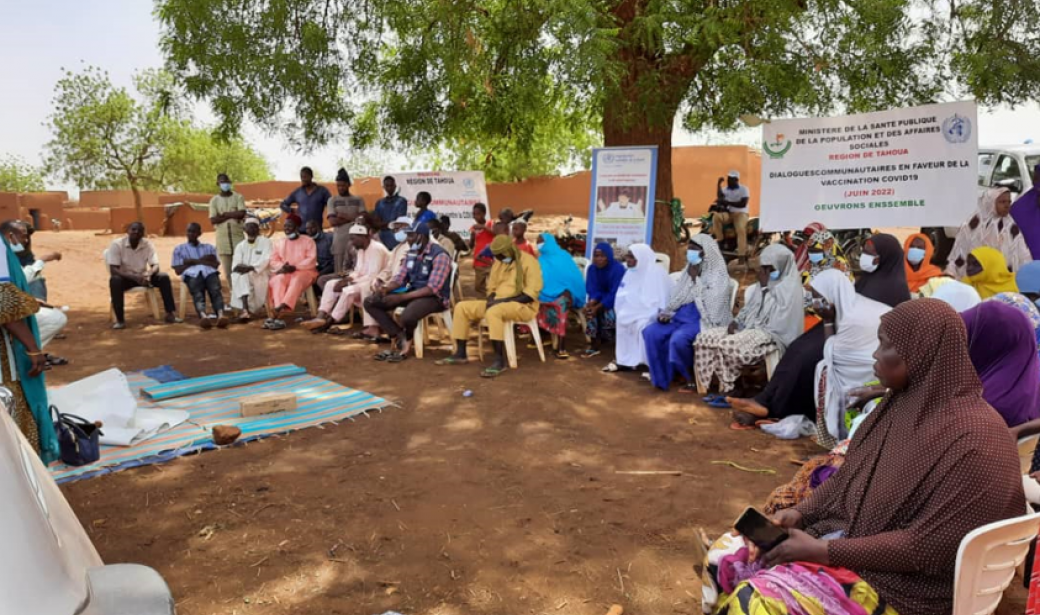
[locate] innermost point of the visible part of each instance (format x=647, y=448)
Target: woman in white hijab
x=772, y=317
x=643, y=294
x=851, y=324
x=991, y=226
x=958, y=295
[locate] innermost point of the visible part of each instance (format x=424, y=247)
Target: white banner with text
x=453, y=194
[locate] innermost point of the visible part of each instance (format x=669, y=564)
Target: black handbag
x=77, y=438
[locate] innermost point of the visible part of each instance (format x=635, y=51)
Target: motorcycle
x=757, y=239
x=572, y=242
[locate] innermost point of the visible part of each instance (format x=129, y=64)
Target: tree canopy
x=429, y=73
x=16, y=175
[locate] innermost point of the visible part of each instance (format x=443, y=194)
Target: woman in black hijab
x=884, y=275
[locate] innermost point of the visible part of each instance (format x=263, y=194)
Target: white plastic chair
x=510, y=339
x=986, y=563
x=421, y=337
x=1026, y=447
x=308, y=294
x=150, y=293
x=664, y=260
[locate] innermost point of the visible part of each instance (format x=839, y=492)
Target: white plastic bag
x=791, y=427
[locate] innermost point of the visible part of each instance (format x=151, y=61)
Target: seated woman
x=601, y=285
x=771, y=319
x=884, y=275
x=957, y=295
x=823, y=253
x=643, y=294
x=881, y=535
x=562, y=289
x=919, y=267
x=699, y=301
x=1024, y=305
x=1002, y=347
x=991, y=226
x=987, y=273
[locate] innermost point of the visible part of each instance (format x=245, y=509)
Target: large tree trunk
x=138, y=208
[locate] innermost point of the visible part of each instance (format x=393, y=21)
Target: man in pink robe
x=294, y=266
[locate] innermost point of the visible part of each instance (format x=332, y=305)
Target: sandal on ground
x=588, y=353
x=451, y=361
x=735, y=426
x=222, y=322
x=315, y=324
x=762, y=422
x=339, y=331
x=611, y=368
x=562, y=355
x=56, y=360
x=396, y=357
x=383, y=355
x=720, y=403
x=712, y=398
x=689, y=387
x=274, y=324
x=532, y=346
x=492, y=372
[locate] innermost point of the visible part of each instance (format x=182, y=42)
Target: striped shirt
x=186, y=251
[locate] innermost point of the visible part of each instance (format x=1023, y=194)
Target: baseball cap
x=419, y=227
x=734, y=174
x=405, y=220
x=357, y=229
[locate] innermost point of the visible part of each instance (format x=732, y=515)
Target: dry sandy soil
x=506, y=502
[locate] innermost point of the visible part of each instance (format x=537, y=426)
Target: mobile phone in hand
x=757, y=528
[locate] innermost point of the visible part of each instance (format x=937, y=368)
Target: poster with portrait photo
x=622, y=197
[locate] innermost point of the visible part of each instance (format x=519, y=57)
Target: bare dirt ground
x=506, y=502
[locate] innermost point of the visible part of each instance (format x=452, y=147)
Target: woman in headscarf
x=850, y=322
x=1026, y=213
x=562, y=289
x=699, y=301
x=991, y=226
x=882, y=534
x=987, y=272
x=918, y=266
x=1024, y=305
x=772, y=318
x=602, y=280
x=822, y=253
x=884, y=275
x=801, y=255
x=643, y=294
x=22, y=361
x=957, y=295
x=1002, y=346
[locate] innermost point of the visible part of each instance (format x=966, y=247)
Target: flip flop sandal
x=610, y=368
x=396, y=357
x=492, y=372
x=735, y=426
x=645, y=376
x=766, y=422
x=588, y=354
x=712, y=398
x=384, y=355
x=55, y=360
x=688, y=388
x=451, y=361
x=721, y=404
x=562, y=355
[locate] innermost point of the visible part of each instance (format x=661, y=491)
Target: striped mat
x=319, y=401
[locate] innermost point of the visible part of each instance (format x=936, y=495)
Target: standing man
x=422, y=202
x=480, y=236
x=227, y=210
x=422, y=287
x=250, y=271
x=734, y=198
x=132, y=262
x=310, y=199
x=388, y=209
x=198, y=265
x=343, y=209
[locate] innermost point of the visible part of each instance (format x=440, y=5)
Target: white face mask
x=17, y=247
x=866, y=263
x=400, y=236
x=292, y=235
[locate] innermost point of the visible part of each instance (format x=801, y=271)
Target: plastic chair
x=151, y=294
x=308, y=294
x=986, y=563
x=510, y=340
x=421, y=337
x=664, y=260
x=1026, y=447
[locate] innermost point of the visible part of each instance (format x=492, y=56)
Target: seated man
x=132, y=262
x=342, y=295
x=294, y=267
x=250, y=271
x=438, y=235
x=445, y=226
x=421, y=287
x=513, y=288
x=49, y=319
x=198, y=265
x=323, y=244
x=32, y=265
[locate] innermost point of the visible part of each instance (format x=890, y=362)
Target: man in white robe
x=250, y=271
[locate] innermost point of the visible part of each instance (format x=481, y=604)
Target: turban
x=503, y=246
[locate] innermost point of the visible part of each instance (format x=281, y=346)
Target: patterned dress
x=16, y=305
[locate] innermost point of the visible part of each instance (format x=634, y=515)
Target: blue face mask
x=816, y=257
x=694, y=257
x=915, y=255
x=17, y=248
x=225, y=186
x=774, y=275
x=400, y=236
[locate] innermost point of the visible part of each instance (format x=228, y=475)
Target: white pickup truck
x=1010, y=166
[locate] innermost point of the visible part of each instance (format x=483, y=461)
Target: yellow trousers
x=468, y=313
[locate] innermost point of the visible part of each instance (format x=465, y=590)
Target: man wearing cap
x=389, y=208
x=294, y=267
x=310, y=199
x=422, y=287
x=227, y=210
x=513, y=288
x=734, y=197
x=250, y=272
x=341, y=295
x=343, y=210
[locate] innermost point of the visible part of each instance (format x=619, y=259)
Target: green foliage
x=194, y=156
x=16, y=175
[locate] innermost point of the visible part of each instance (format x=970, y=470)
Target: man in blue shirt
x=310, y=198
x=422, y=202
x=197, y=264
x=389, y=208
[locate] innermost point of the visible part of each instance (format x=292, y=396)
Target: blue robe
x=669, y=346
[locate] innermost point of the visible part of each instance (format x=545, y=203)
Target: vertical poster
x=453, y=194
x=621, y=208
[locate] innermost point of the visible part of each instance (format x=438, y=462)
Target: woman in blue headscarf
x=601, y=285
x=21, y=360
x=563, y=288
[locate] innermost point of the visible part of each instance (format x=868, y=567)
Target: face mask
x=866, y=263
x=816, y=257
x=400, y=236
x=225, y=186
x=17, y=248
x=694, y=257
x=915, y=255
x=508, y=260
x=627, y=266
x=292, y=235
x=774, y=275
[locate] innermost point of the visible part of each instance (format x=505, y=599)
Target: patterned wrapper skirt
x=719, y=354
x=552, y=315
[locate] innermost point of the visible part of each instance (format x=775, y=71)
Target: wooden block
x=266, y=403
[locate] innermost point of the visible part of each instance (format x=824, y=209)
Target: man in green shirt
x=227, y=210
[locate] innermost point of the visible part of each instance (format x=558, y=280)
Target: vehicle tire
x=943, y=245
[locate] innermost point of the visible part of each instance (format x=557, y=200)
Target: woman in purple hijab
x=1002, y=347
x=1026, y=213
